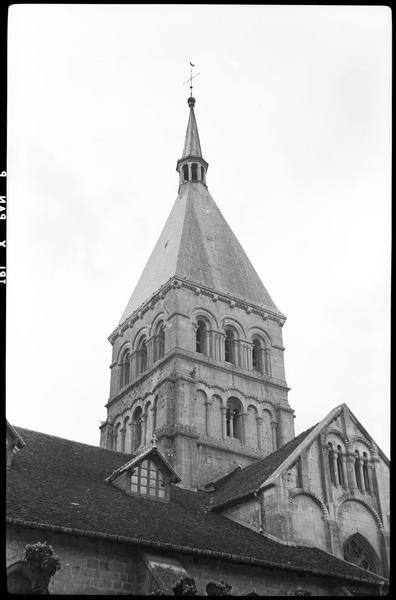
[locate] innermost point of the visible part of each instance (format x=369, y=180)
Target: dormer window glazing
x=148, y=480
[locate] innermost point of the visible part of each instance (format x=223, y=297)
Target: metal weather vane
x=191, y=78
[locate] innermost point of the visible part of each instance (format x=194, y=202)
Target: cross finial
x=154, y=441
x=191, y=78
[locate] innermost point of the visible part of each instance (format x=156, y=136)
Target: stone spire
x=192, y=146
x=196, y=243
x=191, y=166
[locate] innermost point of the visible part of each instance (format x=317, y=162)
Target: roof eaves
x=240, y=498
x=364, y=430
x=20, y=440
x=193, y=550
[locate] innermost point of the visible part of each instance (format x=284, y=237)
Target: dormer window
x=185, y=172
x=149, y=475
x=194, y=171
x=148, y=480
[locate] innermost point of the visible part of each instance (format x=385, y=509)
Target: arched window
x=194, y=171
x=357, y=471
x=137, y=428
x=185, y=172
x=202, y=174
x=159, y=342
x=200, y=337
x=339, y=466
x=365, y=472
x=125, y=369
x=155, y=407
x=229, y=346
x=256, y=355
x=126, y=435
x=358, y=551
x=141, y=361
x=331, y=463
x=234, y=419
x=117, y=438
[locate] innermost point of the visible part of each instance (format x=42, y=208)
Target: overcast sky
x=293, y=110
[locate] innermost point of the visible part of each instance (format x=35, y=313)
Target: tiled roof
x=242, y=483
x=60, y=483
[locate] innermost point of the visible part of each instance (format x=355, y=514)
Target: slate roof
x=198, y=245
x=242, y=483
x=58, y=483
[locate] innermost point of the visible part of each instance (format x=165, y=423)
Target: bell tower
x=197, y=357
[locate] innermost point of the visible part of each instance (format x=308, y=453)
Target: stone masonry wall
x=265, y=582
x=87, y=566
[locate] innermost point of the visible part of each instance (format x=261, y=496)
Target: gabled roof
x=152, y=452
x=59, y=485
x=198, y=245
x=241, y=484
x=11, y=431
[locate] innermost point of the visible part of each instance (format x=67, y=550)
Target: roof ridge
x=50, y=435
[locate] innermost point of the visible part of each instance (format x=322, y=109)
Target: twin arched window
x=197, y=172
x=125, y=362
x=233, y=419
x=361, y=471
x=338, y=472
x=260, y=353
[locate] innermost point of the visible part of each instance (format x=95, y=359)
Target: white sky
x=294, y=113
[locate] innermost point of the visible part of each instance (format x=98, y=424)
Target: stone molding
x=185, y=354
x=230, y=446
x=178, y=428
x=176, y=282
x=348, y=498
x=306, y=492
x=363, y=440
x=340, y=434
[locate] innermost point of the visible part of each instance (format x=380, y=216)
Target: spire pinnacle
x=192, y=166
x=191, y=78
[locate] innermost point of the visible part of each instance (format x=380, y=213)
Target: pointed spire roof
x=197, y=244
x=192, y=145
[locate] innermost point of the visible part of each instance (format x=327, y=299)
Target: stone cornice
x=177, y=429
x=198, y=289
x=230, y=446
